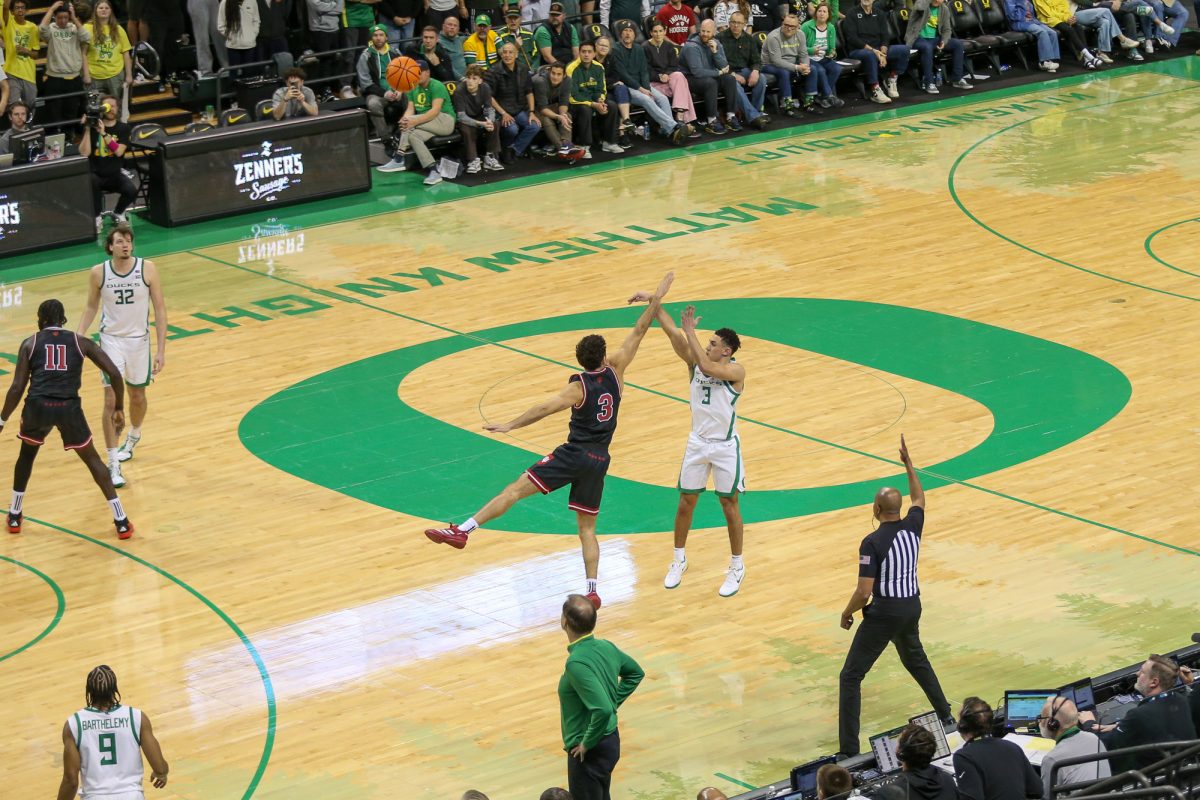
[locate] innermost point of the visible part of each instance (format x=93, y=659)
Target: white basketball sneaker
x=675, y=574
x=125, y=452
x=114, y=472
x=733, y=581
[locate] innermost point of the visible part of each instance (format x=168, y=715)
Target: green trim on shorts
x=688, y=491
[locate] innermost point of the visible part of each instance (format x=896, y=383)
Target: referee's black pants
x=590, y=779
x=896, y=623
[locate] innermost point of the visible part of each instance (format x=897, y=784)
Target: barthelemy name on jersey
x=104, y=723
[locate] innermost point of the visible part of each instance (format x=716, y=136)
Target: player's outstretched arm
x=674, y=335
x=916, y=494
x=93, y=301
x=622, y=358
x=571, y=395
x=70, y=779
x=150, y=746
x=20, y=378
x=150, y=273
x=733, y=371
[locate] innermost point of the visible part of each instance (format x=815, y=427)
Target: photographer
x=294, y=99
x=104, y=142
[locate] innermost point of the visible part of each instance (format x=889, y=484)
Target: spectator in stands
x=18, y=120
x=555, y=793
x=273, y=30
x=724, y=10
x=400, y=18
x=1022, y=17
x=1059, y=721
x=709, y=793
x=820, y=37
x=988, y=768
x=929, y=32
x=165, y=22
x=452, y=42
x=869, y=39
x=1058, y=15
x=662, y=57
x=707, y=71
x=481, y=47
x=430, y=113
x=521, y=37
x=679, y=20
x=437, y=11
x=629, y=62
x=1160, y=716
x=238, y=21
x=22, y=41
x=324, y=35
x=293, y=99
x=832, y=781
x=1100, y=17
x=66, y=69
x=477, y=120
x=512, y=97
x=384, y=104
x=557, y=40
x=1170, y=20
x=535, y=10
x=203, y=14
x=785, y=55
x=744, y=54
x=766, y=15
x=588, y=102
x=617, y=91
x=613, y=11
x=138, y=29
x=430, y=50
x=104, y=144
x=552, y=99
x=108, y=55
x=918, y=780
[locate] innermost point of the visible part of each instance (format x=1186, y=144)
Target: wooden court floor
x=1011, y=281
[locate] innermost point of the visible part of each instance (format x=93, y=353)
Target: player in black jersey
x=594, y=397
x=51, y=362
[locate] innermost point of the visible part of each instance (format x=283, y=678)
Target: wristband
x=3, y=422
x=112, y=145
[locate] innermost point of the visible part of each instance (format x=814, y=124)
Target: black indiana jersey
x=594, y=420
x=55, y=365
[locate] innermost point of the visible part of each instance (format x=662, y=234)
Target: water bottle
x=210, y=115
x=940, y=77
x=644, y=130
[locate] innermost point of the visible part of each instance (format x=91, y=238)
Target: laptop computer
x=931, y=723
x=54, y=146
x=1023, y=706
x=804, y=778
x=883, y=746
x=1081, y=694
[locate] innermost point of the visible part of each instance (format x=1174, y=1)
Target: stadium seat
x=142, y=138
x=235, y=116
x=590, y=33
x=263, y=110
x=992, y=21
x=200, y=126
x=967, y=26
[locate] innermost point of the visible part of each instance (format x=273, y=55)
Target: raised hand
x=904, y=458
x=665, y=285
x=689, y=320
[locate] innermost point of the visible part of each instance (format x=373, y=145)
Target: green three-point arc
x=347, y=429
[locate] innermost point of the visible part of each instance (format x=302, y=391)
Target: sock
x=592, y=585
x=112, y=456
x=135, y=432
x=17, y=501
x=736, y=562
x=679, y=554
x=118, y=511
x=468, y=526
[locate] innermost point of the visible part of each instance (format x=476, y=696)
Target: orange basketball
x=403, y=73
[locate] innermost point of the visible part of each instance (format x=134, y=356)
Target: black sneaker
x=508, y=155
x=760, y=122
x=811, y=107
x=714, y=127
x=14, y=522
x=731, y=122
x=624, y=141
x=124, y=528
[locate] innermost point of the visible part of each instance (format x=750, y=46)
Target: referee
x=887, y=577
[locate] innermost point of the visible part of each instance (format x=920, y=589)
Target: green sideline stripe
x=156, y=242
x=950, y=181
x=268, y=687
x=58, y=613
x=735, y=781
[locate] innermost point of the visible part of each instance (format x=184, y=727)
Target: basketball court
x=1010, y=279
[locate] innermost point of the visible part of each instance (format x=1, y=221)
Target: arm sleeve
x=591, y=693
x=915, y=521
x=631, y=675
x=868, y=560
x=605, y=8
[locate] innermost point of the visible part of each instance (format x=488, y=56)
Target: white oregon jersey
x=125, y=300
x=110, y=750
x=714, y=412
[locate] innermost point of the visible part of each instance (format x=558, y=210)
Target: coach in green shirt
x=597, y=679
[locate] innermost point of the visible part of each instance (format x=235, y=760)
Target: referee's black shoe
x=14, y=522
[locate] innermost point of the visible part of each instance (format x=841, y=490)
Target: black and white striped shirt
x=889, y=555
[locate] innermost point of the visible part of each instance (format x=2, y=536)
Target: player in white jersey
x=713, y=446
x=128, y=287
x=105, y=741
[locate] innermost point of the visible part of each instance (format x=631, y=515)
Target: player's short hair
x=51, y=314
x=119, y=228
x=580, y=613
x=100, y=691
x=833, y=780
x=556, y=793
x=730, y=338
x=917, y=745
x=590, y=351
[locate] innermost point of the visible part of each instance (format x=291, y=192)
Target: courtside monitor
x=804, y=778
x=1080, y=693
x=1023, y=706
x=883, y=745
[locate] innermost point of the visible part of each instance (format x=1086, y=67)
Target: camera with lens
x=96, y=108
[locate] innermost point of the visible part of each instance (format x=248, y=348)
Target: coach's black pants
x=590, y=779
x=707, y=88
x=896, y=623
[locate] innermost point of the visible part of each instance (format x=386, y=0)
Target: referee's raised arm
x=916, y=495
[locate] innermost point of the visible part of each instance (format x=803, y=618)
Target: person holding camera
x=104, y=142
x=293, y=99
x=66, y=68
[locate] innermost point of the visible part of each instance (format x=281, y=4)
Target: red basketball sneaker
x=595, y=598
x=124, y=528
x=14, y=522
x=451, y=536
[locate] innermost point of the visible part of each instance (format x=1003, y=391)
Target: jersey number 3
x=56, y=357
x=605, y=401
